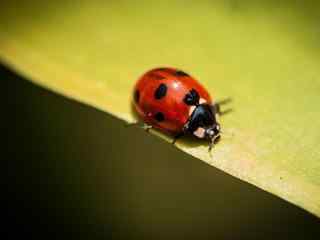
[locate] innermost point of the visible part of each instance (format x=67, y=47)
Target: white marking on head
x=211, y=132
x=202, y=100
x=191, y=109
x=200, y=132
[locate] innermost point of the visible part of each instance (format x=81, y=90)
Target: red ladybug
x=174, y=102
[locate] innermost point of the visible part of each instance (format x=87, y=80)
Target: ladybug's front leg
x=182, y=133
x=211, y=144
x=213, y=141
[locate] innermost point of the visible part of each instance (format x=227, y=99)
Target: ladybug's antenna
x=217, y=106
x=224, y=101
x=225, y=111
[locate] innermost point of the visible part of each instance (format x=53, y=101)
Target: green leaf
x=265, y=56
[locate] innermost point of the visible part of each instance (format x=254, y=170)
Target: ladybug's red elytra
x=174, y=102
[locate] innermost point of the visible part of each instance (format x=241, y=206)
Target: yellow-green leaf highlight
x=265, y=56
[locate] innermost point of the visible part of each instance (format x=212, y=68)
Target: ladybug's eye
x=192, y=98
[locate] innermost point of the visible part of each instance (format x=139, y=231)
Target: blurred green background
x=263, y=54
x=78, y=173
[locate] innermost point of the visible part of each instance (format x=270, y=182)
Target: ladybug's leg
x=132, y=124
x=182, y=133
x=213, y=141
x=146, y=127
x=176, y=137
x=140, y=124
x=211, y=144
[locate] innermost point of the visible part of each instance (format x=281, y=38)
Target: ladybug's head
x=203, y=123
x=213, y=133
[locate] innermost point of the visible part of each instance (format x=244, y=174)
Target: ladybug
x=174, y=102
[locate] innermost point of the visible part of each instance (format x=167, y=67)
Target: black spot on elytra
x=136, y=96
x=192, y=98
x=180, y=73
x=159, y=116
x=161, y=91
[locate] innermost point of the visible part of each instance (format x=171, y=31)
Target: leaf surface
x=266, y=57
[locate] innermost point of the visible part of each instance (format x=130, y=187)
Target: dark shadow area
x=73, y=172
